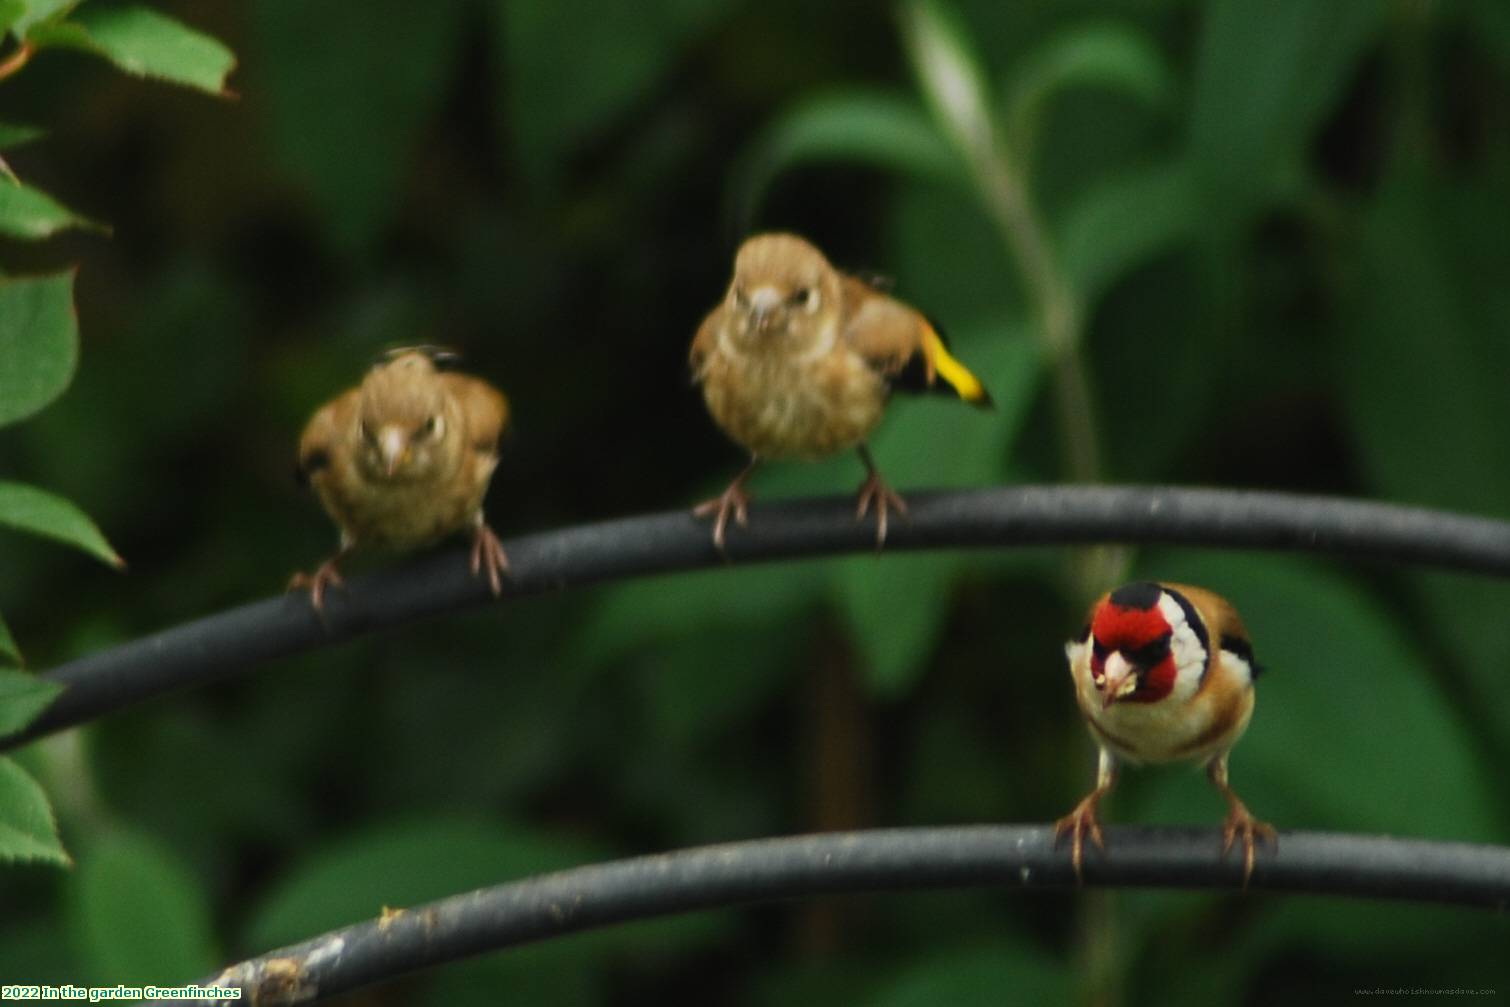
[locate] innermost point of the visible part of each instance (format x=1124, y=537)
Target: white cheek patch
x=1238, y=666
x=1185, y=646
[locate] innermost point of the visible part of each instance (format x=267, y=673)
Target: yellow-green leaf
x=29, y=509
x=32, y=214
x=9, y=652
x=14, y=134
x=39, y=342
x=22, y=697
x=138, y=916
x=35, y=12
x=144, y=43
x=27, y=828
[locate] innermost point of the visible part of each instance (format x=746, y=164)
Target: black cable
x=1003, y=856
x=222, y=645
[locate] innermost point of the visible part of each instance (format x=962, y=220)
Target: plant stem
x=13, y=63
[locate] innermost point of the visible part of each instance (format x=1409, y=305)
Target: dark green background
x=1289, y=233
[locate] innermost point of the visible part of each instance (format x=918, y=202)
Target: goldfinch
x=403, y=460
x=1164, y=673
x=799, y=360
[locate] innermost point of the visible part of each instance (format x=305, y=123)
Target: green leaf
x=11, y=11
x=632, y=617
x=1344, y=688
x=1107, y=55
x=15, y=134
x=403, y=864
x=1431, y=427
x=144, y=43
x=866, y=126
x=572, y=66
x=39, y=342
x=31, y=214
x=895, y=606
x=9, y=652
x=1121, y=223
x=28, y=831
x=1489, y=21
x=29, y=509
x=949, y=71
x=137, y=916
x=347, y=119
x=22, y=695
x=1266, y=75
x=1006, y=972
x=36, y=12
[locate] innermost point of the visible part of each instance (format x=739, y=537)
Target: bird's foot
x=326, y=575
x=734, y=500
x=1080, y=823
x=875, y=491
x=1240, y=822
x=488, y=554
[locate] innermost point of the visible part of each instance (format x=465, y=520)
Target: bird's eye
x=1150, y=654
x=740, y=297
x=366, y=431
x=804, y=297
x=431, y=425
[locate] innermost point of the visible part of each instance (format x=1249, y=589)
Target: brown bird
x=403, y=460
x=1164, y=673
x=800, y=360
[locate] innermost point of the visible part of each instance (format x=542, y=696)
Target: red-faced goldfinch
x=1164, y=673
x=403, y=460
x=799, y=360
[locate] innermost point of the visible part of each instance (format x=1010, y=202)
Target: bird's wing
x=901, y=344
x=322, y=435
x=485, y=408
x=1223, y=624
x=705, y=340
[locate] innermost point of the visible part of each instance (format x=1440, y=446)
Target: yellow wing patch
x=953, y=373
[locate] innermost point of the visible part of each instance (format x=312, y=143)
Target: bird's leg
x=734, y=500
x=1239, y=819
x=1083, y=819
x=874, y=489
x=327, y=574
x=488, y=554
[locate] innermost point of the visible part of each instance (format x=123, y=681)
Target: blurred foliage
x=39, y=332
x=1269, y=247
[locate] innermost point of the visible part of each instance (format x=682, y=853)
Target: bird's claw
x=875, y=490
x=1078, y=824
x=734, y=500
x=326, y=575
x=1240, y=821
x=488, y=554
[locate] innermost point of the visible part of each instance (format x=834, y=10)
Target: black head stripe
x=1243, y=649
x=1140, y=595
x=1192, y=619
x=442, y=357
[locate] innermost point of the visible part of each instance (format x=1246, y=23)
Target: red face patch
x=1128, y=629
x=1131, y=630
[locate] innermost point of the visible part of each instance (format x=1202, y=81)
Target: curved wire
x=1006, y=856
x=225, y=644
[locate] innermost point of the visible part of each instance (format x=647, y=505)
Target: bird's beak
x=1121, y=679
x=393, y=444
x=763, y=304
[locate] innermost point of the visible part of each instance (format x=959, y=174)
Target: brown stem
x=16, y=60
